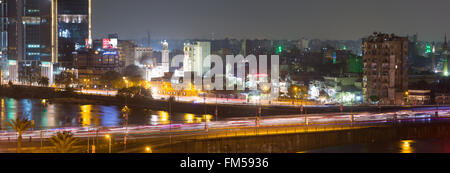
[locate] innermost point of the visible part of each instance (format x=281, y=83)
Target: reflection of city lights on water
x=86, y=115
x=405, y=146
x=3, y=119
x=189, y=118
x=163, y=116
x=207, y=117
x=155, y=118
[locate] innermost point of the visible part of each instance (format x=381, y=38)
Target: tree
x=43, y=81
x=374, y=98
x=21, y=125
x=132, y=71
x=134, y=92
x=323, y=95
x=68, y=92
x=109, y=78
x=65, y=78
x=30, y=74
x=297, y=91
x=64, y=142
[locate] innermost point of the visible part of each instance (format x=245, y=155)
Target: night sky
x=272, y=19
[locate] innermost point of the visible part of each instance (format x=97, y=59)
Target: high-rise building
x=144, y=56
x=74, y=29
x=43, y=32
x=385, y=76
x=165, y=57
x=3, y=39
x=195, y=56
x=92, y=64
x=3, y=28
x=445, y=56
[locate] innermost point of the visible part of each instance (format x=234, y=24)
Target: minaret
x=433, y=58
x=165, y=56
x=444, y=55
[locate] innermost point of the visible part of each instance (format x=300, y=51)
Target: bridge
x=277, y=134
x=292, y=139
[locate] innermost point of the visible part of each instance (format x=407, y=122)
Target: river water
x=55, y=115
x=401, y=146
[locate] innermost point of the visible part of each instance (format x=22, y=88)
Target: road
x=290, y=123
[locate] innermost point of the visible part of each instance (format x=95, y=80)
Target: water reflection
x=3, y=118
x=401, y=146
x=189, y=118
x=11, y=109
x=86, y=115
x=50, y=115
x=54, y=115
x=109, y=116
x=207, y=117
x=405, y=146
x=192, y=118
x=163, y=117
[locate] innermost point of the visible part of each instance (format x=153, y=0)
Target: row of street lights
x=148, y=149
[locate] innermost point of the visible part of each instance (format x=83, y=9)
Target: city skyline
x=224, y=76
x=323, y=19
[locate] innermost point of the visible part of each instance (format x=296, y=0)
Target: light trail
x=242, y=125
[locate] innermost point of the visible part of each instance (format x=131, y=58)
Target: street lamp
x=126, y=81
x=295, y=94
x=407, y=97
x=109, y=138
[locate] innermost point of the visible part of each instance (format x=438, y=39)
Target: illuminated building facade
x=385, y=67
x=74, y=29
x=195, y=55
x=91, y=64
x=445, y=57
x=165, y=57
x=144, y=56
x=3, y=39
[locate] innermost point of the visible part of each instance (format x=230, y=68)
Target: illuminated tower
x=165, y=57
x=3, y=39
x=444, y=56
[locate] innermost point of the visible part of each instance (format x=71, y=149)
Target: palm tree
x=43, y=81
x=20, y=125
x=64, y=142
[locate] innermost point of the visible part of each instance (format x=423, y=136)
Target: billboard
x=110, y=43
